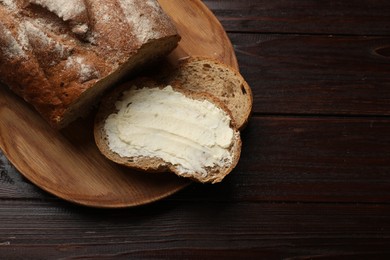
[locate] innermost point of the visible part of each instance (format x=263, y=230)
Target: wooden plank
x=306, y=17
x=14, y=185
x=289, y=159
x=292, y=74
x=309, y=159
x=55, y=230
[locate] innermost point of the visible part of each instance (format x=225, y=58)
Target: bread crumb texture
x=202, y=74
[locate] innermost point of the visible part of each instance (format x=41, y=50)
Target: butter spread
x=163, y=123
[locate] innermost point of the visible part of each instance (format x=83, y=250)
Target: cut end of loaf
x=149, y=53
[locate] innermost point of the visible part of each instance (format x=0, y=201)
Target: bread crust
x=153, y=164
x=60, y=56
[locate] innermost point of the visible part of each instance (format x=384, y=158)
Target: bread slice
x=61, y=55
x=203, y=74
x=168, y=128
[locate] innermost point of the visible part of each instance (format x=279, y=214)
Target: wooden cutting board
x=68, y=164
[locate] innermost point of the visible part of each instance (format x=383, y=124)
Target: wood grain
x=313, y=180
x=345, y=17
x=177, y=230
x=68, y=163
x=322, y=75
x=309, y=159
x=289, y=159
x=202, y=33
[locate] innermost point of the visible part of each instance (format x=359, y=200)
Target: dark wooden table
x=314, y=178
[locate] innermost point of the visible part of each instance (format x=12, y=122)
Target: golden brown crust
x=61, y=55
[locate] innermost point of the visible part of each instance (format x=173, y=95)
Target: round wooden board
x=68, y=164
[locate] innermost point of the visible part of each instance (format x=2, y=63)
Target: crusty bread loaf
x=61, y=55
x=204, y=74
x=151, y=127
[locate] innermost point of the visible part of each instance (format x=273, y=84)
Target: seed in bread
x=158, y=128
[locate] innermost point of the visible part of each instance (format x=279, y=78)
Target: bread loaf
x=61, y=55
x=156, y=128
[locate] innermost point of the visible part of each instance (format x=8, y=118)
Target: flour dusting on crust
x=143, y=23
x=65, y=9
x=10, y=4
x=86, y=71
x=9, y=45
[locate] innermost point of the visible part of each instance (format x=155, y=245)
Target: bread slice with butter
x=156, y=128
